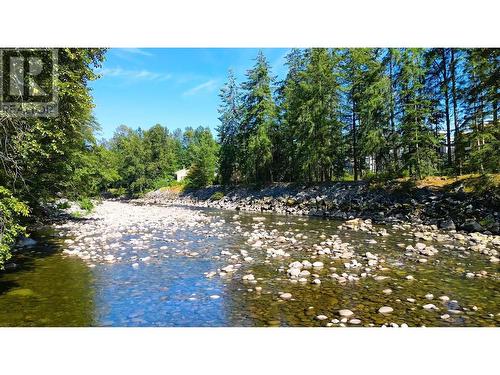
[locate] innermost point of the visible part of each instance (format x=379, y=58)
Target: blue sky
x=175, y=87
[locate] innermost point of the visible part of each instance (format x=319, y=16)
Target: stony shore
x=279, y=261
x=452, y=210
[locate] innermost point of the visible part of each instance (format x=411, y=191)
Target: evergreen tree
x=204, y=151
x=319, y=131
x=230, y=118
x=259, y=120
x=481, y=95
x=418, y=140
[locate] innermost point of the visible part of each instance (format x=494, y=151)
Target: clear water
x=51, y=289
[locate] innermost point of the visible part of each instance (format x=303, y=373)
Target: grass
x=471, y=183
x=175, y=187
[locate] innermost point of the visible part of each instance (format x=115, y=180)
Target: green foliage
x=203, y=151
x=259, y=120
x=11, y=212
x=217, y=196
x=86, y=204
x=230, y=118
x=163, y=182
x=370, y=112
x=63, y=205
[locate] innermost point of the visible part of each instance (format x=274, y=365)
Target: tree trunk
x=447, y=105
x=458, y=162
x=393, y=125
x=354, y=141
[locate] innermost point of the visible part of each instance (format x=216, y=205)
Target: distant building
x=181, y=174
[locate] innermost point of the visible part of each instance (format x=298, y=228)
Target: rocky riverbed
x=451, y=210
x=179, y=265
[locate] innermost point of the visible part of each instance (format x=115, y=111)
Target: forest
x=339, y=114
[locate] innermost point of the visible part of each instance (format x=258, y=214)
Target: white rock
x=286, y=296
x=345, y=313
x=385, y=310
x=430, y=306
x=249, y=277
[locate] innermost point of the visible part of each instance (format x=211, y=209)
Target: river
x=131, y=265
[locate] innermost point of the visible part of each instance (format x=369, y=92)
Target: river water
x=50, y=288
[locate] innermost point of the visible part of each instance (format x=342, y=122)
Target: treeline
x=342, y=113
x=140, y=160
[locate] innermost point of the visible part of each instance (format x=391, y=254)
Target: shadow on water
x=46, y=289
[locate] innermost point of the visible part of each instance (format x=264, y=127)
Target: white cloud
x=136, y=51
x=134, y=74
x=209, y=85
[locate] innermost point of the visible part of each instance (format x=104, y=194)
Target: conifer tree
x=259, y=120
x=230, y=120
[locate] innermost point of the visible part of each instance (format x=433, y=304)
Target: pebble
x=430, y=306
x=385, y=310
x=355, y=321
x=321, y=317
x=286, y=296
x=345, y=313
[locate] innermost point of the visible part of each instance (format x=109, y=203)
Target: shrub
x=217, y=196
x=163, y=182
x=11, y=211
x=86, y=204
x=119, y=192
x=63, y=205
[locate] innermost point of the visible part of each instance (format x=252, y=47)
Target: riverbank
x=450, y=208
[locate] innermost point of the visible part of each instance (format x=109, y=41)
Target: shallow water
x=51, y=289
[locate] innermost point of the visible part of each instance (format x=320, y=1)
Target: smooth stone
x=286, y=296
x=385, y=310
x=321, y=317
x=346, y=313
x=355, y=321
x=430, y=306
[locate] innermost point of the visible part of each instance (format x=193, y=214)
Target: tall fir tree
x=259, y=121
x=230, y=121
x=418, y=140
